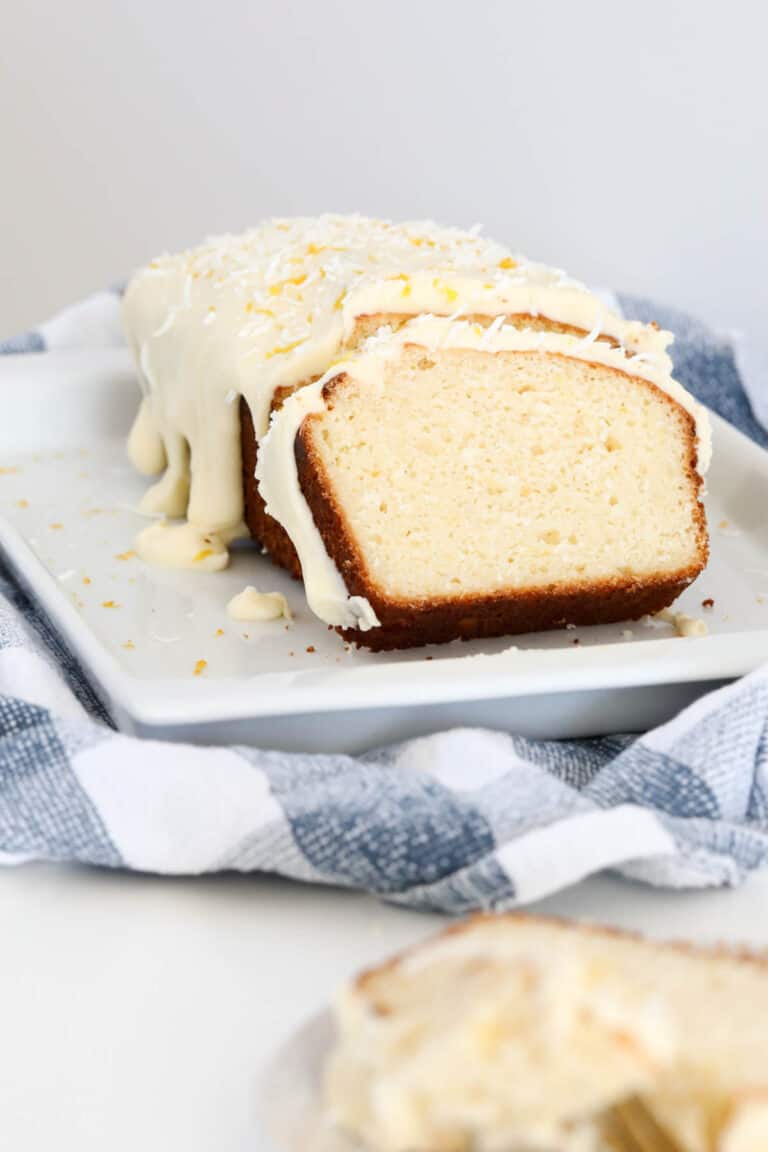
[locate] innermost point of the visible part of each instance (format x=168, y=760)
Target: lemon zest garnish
x=251, y=307
x=450, y=293
x=200, y=667
x=284, y=348
x=109, y=604
x=338, y=302
x=56, y=527
x=406, y=290
x=507, y=263
x=219, y=632
x=202, y=554
x=316, y=249
x=9, y=471
x=22, y=503
x=124, y=555
x=86, y=580
x=129, y=644
x=276, y=289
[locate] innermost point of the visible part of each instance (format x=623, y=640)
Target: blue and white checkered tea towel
x=455, y=821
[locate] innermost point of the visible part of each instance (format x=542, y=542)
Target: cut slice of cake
x=451, y=480
x=513, y=1033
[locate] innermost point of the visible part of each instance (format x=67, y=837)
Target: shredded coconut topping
x=491, y=331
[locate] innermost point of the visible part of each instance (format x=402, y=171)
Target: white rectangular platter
x=67, y=524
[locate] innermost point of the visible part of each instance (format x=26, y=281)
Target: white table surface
x=136, y=1012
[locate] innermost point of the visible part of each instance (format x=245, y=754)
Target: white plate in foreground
x=67, y=525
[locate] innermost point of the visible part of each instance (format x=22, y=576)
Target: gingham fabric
x=455, y=821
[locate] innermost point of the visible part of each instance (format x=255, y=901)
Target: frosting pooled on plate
x=251, y=605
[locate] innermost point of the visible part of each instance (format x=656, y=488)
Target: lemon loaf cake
x=485, y=475
x=512, y=1033
x=451, y=480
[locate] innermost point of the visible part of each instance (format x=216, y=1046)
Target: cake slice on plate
x=451, y=480
x=513, y=1033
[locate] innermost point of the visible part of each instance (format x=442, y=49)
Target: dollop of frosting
x=252, y=605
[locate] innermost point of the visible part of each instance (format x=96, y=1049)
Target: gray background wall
x=625, y=142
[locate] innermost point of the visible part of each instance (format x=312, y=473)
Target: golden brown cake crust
x=264, y=529
x=409, y=625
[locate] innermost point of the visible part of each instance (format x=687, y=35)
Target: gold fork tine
x=615, y=1137
x=632, y=1128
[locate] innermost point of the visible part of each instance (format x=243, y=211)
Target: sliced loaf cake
x=527, y=460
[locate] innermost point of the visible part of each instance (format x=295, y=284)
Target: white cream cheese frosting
x=271, y=308
x=182, y=546
x=279, y=485
x=251, y=605
x=277, y=471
